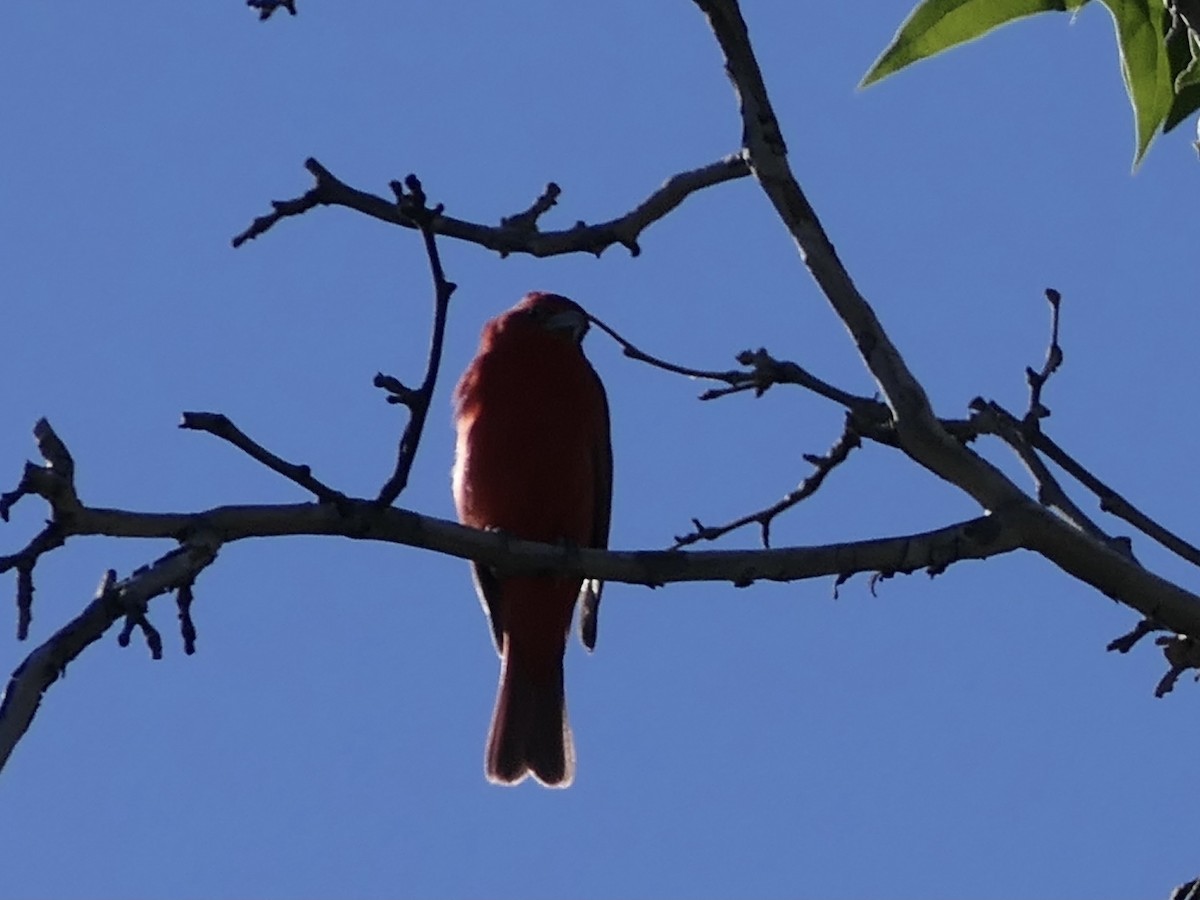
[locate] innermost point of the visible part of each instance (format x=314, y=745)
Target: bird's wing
x=487, y=586
x=602, y=473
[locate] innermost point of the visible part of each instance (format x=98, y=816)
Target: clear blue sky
x=961, y=737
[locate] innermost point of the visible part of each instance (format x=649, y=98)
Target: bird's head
x=555, y=314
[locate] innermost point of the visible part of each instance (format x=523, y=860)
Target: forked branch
x=413, y=204
x=202, y=533
x=113, y=601
x=822, y=466
x=919, y=432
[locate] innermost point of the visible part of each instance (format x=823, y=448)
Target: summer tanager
x=534, y=460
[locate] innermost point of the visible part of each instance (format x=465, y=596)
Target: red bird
x=534, y=460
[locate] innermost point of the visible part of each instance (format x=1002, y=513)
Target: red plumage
x=534, y=459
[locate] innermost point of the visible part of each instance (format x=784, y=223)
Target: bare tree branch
x=363, y=519
x=823, y=465
x=527, y=219
x=730, y=376
x=521, y=237
x=219, y=425
x=413, y=204
x=935, y=550
x=1112, y=502
x=202, y=533
x=1030, y=429
x=49, y=538
x=55, y=480
x=764, y=371
x=919, y=432
x=113, y=600
x=872, y=418
x=1126, y=642
x=1054, y=359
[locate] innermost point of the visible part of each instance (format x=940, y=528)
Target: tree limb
x=919, y=432
x=202, y=533
x=516, y=234
x=113, y=600
x=363, y=519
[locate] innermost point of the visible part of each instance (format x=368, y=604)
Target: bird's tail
x=530, y=732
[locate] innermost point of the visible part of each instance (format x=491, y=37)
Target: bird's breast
x=528, y=428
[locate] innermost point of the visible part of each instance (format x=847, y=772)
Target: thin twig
x=49, y=538
x=135, y=617
x=1126, y=642
x=414, y=206
x=1054, y=358
x=1113, y=502
x=1110, y=500
x=54, y=482
x=823, y=465
x=872, y=418
x=764, y=371
x=24, y=561
x=581, y=238
x=219, y=425
x=729, y=376
x=527, y=219
x=187, y=628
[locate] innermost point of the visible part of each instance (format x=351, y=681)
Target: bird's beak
x=571, y=321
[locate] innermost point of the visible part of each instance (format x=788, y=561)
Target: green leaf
x=937, y=25
x=1141, y=34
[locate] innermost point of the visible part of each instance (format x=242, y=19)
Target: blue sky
x=961, y=737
